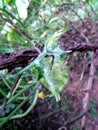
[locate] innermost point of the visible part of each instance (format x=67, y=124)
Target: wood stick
x=87, y=95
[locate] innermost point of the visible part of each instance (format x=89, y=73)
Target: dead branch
x=23, y=57
x=16, y=27
x=83, y=47
x=17, y=59
x=88, y=92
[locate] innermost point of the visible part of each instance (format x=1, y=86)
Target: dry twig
x=9, y=94
x=87, y=95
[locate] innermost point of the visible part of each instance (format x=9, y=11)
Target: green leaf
x=58, y=2
x=1, y=4
x=22, y=6
x=36, y=3
x=61, y=74
x=7, y=1
x=37, y=71
x=82, y=13
x=6, y=49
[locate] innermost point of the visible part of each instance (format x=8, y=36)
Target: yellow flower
x=41, y=95
x=5, y=71
x=43, y=15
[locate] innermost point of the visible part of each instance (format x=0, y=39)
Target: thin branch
x=12, y=16
x=65, y=126
x=87, y=95
x=74, y=120
x=85, y=8
x=16, y=27
x=9, y=94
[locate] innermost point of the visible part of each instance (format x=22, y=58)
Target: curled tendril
x=62, y=29
x=57, y=32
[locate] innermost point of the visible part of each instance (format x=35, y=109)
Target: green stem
x=20, y=92
x=29, y=109
x=5, y=119
x=12, y=16
x=35, y=62
x=3, y=3
x=2, y=92
x=17, y=11
x=6, y=83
